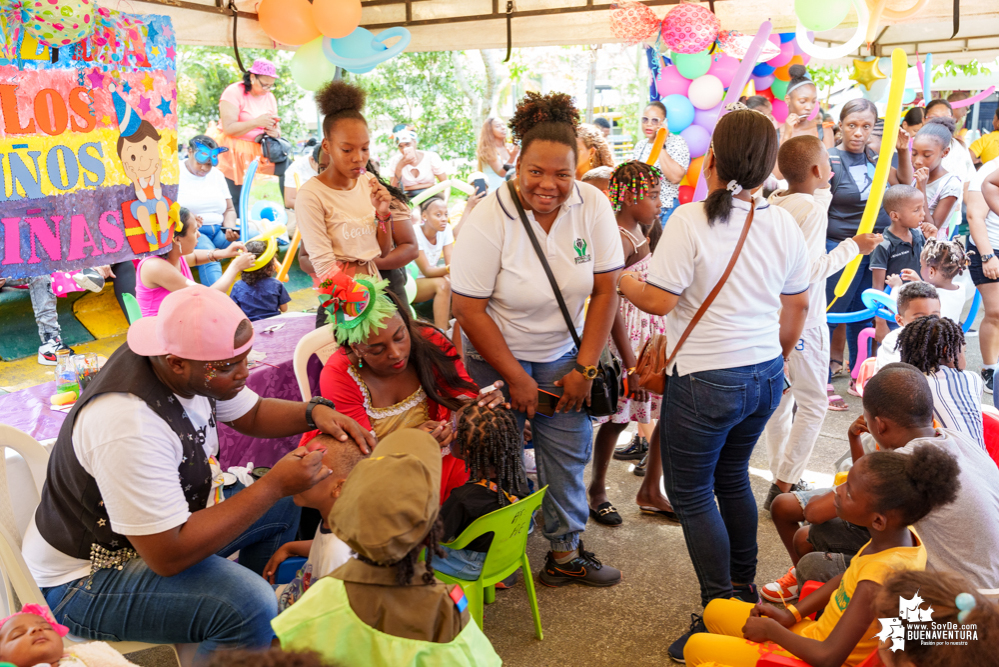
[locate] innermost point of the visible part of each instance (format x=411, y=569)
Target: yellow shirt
x=986, y=148
x=874, y=567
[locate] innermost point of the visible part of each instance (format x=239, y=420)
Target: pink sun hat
x=197, y=323
x=263, y=67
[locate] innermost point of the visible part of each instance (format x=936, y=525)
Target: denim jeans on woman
x=850, y=302
x=216, y=603
x=562, y=445
x=211, y=237
x=714, y=420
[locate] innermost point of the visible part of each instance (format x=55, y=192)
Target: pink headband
x=39, y=610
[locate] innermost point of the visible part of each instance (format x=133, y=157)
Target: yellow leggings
x=723, y=642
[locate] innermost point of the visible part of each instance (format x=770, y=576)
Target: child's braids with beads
x=635, y=177
x=488, y=438
x=947, y=257
x=929, y=342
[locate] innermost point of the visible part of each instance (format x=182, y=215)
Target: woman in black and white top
x=674, y=159
x=728, y=377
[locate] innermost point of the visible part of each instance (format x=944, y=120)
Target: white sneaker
x=89, y=279
x=530, y=465
x=47, y=353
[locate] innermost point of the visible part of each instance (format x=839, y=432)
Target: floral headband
x=39, y=610
x=356, y=306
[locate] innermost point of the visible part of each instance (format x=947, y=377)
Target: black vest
x=71, y=516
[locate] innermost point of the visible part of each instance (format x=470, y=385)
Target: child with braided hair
x=935, y=345
x=940, y=262
x=634, y=194
x=489, y=442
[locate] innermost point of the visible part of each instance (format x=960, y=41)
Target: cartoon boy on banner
x=138, y=150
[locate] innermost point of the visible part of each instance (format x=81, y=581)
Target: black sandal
x=606, y=514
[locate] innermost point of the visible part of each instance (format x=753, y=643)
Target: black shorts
x=975, y=268
x=837, y=536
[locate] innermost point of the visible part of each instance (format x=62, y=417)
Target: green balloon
x=309, y=67
x=825, y=15
x=778, y=88
x=692, y=65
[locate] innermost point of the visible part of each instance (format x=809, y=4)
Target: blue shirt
x=264, y=299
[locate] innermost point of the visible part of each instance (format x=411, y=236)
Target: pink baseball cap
x=197, y=323
x=263, y=67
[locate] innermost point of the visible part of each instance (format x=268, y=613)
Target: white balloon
x=843, y=50
x=706, y=92
x=878, y=91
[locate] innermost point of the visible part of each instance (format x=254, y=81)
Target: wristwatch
x=316, y=400
x=987, y=257
x=588, y=372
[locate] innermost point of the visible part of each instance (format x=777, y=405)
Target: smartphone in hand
x=547, y=402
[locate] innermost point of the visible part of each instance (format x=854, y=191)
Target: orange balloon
x=287, y=21
x=684, y=181
x=784, y=73
x=336, y=18
x=694, y=171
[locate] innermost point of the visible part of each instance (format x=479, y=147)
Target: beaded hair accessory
x=966, y=603
x=637, y=184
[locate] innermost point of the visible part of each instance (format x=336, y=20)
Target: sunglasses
x=651, y=121
x=205, y=155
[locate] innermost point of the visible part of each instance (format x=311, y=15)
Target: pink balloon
x=775, y=40
x=779, y=110
x=763, y=82
x=786, y=53
x=971, y=100
x=671, y=82
x=724, y=67
x=689, y=28
x=707, y=118
x=698, y=139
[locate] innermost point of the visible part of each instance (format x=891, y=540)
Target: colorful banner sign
x=88, y=146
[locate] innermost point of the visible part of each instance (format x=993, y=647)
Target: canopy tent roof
x=481, y=24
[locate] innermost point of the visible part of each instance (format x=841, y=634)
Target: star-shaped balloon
x=866, y=72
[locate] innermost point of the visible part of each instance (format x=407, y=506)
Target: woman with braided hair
x=489, y=442
x=594, y=151
x=516, y=330
x=634, y=194
x=935, y=345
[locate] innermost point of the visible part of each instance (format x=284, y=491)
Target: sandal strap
x=604, y=511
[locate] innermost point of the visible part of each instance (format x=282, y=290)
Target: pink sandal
x=836, y=402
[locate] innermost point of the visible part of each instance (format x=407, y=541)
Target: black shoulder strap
x=544, y=263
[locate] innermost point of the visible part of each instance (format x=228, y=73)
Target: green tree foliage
x=205, y=71
x=950, y=68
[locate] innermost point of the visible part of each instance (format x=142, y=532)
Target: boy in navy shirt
x=903, y=242
x=259, y=294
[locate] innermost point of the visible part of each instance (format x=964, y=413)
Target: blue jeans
x=714, y=420
x=665, y=213
x=460, y=563
x=850, y=302
x=216, y=603
x=562, y=445
x=211, y=237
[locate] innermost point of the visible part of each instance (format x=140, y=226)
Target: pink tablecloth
x=30, y=411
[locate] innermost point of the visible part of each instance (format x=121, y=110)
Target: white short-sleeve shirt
x=496, y=261
x=434, y=251
x=741, y=327
x=203, y=195
x=134, y=457
x=301, y=166
x=975, y=185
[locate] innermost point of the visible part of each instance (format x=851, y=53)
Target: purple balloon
x=671, y=82
x=763, y=82
x=707, y=118
x=724, y=67
x=786, y=53
x=698, y=139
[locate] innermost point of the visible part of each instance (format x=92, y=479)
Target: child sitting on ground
x=935, y=345
x=376, y=609
x=258, y=293
x=489, y=442
x=325, y=552
x=955, y=603
x=939, y=263
x=913, y=300
x=962, y=537
x=902, y=245
x=435, y=240
x=32, y=638
x=885, y=492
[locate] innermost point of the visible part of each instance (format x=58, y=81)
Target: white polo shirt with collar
x=741, y=326
x=495, y=260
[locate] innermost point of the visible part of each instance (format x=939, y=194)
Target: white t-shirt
x=327, y=553
x=434, y=251
x=203, y=195
x=948, y=185
x=301, y=166
x=134, y=456
x=427, y=170
x=496, y=261
x=888, y=350
x=952, y=302
x=958, y=161
x=741, y=326
x=975, y=185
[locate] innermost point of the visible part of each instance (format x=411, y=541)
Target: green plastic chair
x=131, y=307
x=507, y=554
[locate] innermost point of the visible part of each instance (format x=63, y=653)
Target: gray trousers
x=43, y=302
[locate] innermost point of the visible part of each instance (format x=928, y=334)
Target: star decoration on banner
x=143, y=104
x=126, y=87
x=171, y=54
x=153, y=32
x=147, y=82
x=106, y=120
x=166, y=31
x=155, y=51
x=164, y=107
x=96, y=79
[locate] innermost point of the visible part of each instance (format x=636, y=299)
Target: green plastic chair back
x=507, y=554
x=131, y=308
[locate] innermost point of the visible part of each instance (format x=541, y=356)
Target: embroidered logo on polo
x=581, y=256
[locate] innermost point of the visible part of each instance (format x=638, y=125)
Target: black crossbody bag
x=605, y=389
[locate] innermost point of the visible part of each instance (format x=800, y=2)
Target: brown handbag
x=652, y=360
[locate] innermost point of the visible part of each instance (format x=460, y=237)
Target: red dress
x=340, y=383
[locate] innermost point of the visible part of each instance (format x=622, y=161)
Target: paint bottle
x=66, y=380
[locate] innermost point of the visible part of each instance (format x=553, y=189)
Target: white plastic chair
x=19, y=587
x=320, y=343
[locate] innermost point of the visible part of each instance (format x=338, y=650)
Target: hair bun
x=797, y=71
x=550, y=108
x=339, y=96
x=946, y=121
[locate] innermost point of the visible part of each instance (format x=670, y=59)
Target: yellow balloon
x=893, y=117
x=866, y=72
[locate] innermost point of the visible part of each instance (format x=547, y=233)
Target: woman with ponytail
x=728, y=378
x=515, y=328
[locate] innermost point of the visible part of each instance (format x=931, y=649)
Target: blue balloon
x=785, y=37
x=763, y=69
x=679, y=113
x=361, y=52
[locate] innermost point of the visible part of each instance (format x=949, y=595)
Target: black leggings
x=124, y=282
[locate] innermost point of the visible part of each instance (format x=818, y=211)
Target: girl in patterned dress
x=634, y=193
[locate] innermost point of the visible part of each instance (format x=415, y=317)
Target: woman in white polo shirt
x=516, y=332
x=728, y=376
x=982, y=244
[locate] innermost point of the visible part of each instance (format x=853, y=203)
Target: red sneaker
x=783, y=590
